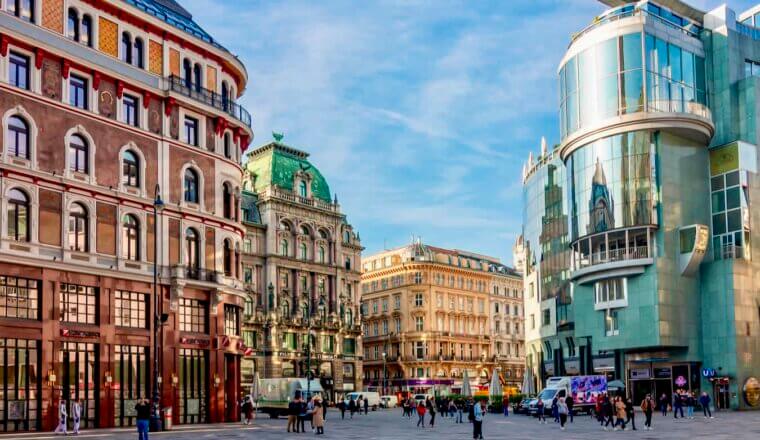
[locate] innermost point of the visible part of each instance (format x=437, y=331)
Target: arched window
x=302, y=189
x=18, y=215
x=78, y=152
x=227, y=258
x=139, y=53
x=23, y=9
x=322, y=254
x=237, y=261
x=126, y=47
x=349, y=316
x=130, y=165
x=17, y=137
x=130, y=237
x=284, y=247
x=191, y=186
x=187, y=72
x=225, y=95
x=323, y=234
x=227, y=146
x=85, y=32
x=285, y=226
x=304, y=251
x=192, y=255
x=73, y=25
x=346, y=237
x=305, y=230
x=227, y=200
x=197, y=77
x=78, y=231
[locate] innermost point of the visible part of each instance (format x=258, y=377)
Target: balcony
x=210, y=98
x=276, y=192
x=617, y=252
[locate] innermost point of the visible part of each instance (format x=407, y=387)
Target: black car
x=521, y=407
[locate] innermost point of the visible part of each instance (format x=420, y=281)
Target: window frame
x=17, y=209
x=81, y=227
x=16, y=62
x=78, y=88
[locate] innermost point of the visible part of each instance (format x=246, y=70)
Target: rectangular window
x=611, y=325
x=78, y=304
x=78, y=91
x=610, y=293
x=248, y=275
x=349, y=346
x=398, y=325
x=418, y=300
x=328, y=343
x=18, y=70
x=532, y=321
x=397, y=302
x=419, y=323
x=385, y=305
x=193, y=315
x=191, y=131
x=131, y=309
x=249, y=338
x=130, y=110
x=19, y=298
x=546, y=317
x=231, y=320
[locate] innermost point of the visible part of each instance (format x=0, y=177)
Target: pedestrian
x=430, y=404
x=421, y=415
x=630, y=416
x=76, y=414
x=406, y=405
x=62, y=416
x=690, y=402
x=310, y=412
x=562, y=412
x=294, y=407
x=317, y=417
x=664, y=404
x=352, y=406
x=555, y=414
x=647, y=405
x=677, y=405
x=570, y=402
x=142, y=410
x=324, y=404
x=607, y=411
x=477, y=423
x=303, y=410
x=704, y=400
x=366, y=406
x=598, y=409
x=619, y=413
x=505, y=406
x=342, y=408
x=460, y=411
x=540, y=407
x=453, y=410
x=248, y=409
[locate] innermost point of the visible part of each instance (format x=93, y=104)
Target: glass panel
x=716, y=183
x=718, y=201
x=630, y=55
x=733, y=198
x=734, y=219
x=732, y=179
x=633, y=91
x=719, y=223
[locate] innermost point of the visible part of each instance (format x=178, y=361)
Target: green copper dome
x=276, y=163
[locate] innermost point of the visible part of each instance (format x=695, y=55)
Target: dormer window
x=302, y=189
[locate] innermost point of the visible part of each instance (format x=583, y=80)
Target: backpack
x=471, y=413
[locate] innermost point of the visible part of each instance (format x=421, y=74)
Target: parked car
x=422, y=397
x=389, y=401
x=521, y=407
x=373, y=398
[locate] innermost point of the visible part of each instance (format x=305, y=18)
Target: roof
x=678, y=6
x=170, y=12
x=276, y=164
x=249, y=205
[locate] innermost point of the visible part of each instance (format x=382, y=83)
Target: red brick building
x=101, y=102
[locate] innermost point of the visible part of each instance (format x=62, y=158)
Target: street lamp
x=158, y=205
x=385, y=372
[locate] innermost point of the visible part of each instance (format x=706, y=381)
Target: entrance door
x=193, y=385
x=231, y=388
x=130, y=382
x=79, y=375
x=722, y=395
x=19, y=385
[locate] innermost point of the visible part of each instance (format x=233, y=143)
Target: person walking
x=630, y=416
x=570, y=402
x=76, y=414
x=562, y=412
x=452, y=409
x=310, y=412
x=248, y=409
x=664, y=404
x=430, y=404
x=598, y=409
x=62, y=416
x=421, y=414
x=293, y=409
x=607, y=411
x=460, y=411
x=677, y=405
x=477, y=423
x=505, y=406
x=303, y=411
x=704, y=400
x=342, y=408
x=366, y=406
x=540, y=410
x=317, y=417
x=142, y=410
x=647, y=405
x=690, y=402
x=352, y=406
x=619, y=413
x=555, y=414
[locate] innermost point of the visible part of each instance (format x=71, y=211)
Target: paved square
x=390, y=424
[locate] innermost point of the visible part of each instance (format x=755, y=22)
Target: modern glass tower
x=658, y=151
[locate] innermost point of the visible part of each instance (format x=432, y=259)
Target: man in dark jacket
x=570, y=402
x=352, y=406
x=704, y=400
x=366, y=406
x=629, y=414
x=677, y=405
x=143, y=418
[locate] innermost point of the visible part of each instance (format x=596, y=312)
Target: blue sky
x=420, y=113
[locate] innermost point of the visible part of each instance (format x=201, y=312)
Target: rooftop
x=679, y=7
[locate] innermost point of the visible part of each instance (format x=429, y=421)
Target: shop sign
x=708, y=372
x=78, y=333
x=194, y=341
x=572, y=366
x=605, y=363
x=751, y=392
x=640, y=373
x=662, y=373
x=348, y=387
x=724, y=159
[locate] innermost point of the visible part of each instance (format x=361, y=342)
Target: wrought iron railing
x=210, y=98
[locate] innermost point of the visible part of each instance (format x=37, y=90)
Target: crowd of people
x=455, y=409
x=301, y=409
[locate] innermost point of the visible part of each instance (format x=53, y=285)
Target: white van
x=389, y=401
x=373, y=398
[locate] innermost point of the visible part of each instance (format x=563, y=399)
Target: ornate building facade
x=301, y=264
x=429, y=314
x=119, y=161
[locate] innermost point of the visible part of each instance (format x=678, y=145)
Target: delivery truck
x=277, y=393
x=584, y=390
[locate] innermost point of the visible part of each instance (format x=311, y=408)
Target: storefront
x=131, y=377
x=657, y=377
x=20, y=385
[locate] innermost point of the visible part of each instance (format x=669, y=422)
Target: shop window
x=193, y=315
x=130, y=309
x=79, y=304
x=19, y=298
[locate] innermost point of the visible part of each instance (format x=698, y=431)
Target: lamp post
x=158, y=205
x=385, y=372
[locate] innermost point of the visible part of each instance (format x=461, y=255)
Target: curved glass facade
x=612, y=184
x=610, y=79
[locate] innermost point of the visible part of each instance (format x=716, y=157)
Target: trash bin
x=167, y=418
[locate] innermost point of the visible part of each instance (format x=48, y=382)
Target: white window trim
x=31, y=191
x=184, y=226
x=20, y=111
x=69, y=199
x=67, y=173
x=142, y=218
x=142, y=112
x=92, y=94
x=35, y=82
x=201, y=205
x=184, y=113
x=142, y=192
x=614, y=304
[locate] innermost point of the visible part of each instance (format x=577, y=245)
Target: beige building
x=428, y=315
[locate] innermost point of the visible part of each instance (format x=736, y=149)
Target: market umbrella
x=466, y=389
x=615, y=385
x=256, y=389
x=527, y=385
x=495, y=389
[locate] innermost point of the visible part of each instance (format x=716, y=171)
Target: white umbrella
x=495, y=389
x=255, y=392
x=466, y=389
x=527, y=387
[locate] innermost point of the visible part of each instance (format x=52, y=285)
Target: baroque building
x=430, y=314
x=639, y=228
x=301, y=262
x=119, y=163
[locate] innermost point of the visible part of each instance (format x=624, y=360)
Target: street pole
x=385, y=372
x=308, y=347
x=158, y=204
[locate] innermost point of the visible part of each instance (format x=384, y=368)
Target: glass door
x=130, y=382
x=19, y=385
x=193, y=385
x=78, y=370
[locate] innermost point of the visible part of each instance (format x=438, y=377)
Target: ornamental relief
x=51, y=79
x=106, y=103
